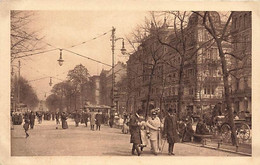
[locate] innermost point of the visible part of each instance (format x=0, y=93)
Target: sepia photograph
x=131, y=83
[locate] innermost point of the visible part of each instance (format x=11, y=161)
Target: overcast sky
x=63, y=29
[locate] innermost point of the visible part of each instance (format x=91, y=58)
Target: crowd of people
x=151, y=130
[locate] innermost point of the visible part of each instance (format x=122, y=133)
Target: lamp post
x=123, y=51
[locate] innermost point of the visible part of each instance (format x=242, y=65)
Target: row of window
x=242, y=22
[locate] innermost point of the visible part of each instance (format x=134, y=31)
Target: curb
x=219, y=149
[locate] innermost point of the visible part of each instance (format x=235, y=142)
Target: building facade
x=241, y=31
x=198, y=67
x=119, y=89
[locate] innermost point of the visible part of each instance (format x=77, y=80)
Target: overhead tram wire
x=87, y=57
x=84, y=42
x=32, y=54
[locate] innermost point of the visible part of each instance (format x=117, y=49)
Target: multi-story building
x=199, y=67
x=106, y=87
x=241, y=31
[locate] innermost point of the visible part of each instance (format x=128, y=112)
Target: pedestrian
x=26, y=124
x=111, y=119
x=154, y=125
x=52, y=115
x=57, y=117
x=85, y=117
x=188, y=133
x=77, y=118
x=92, y=120
x=143, y=130
x=98, y=120
x=170, y=130
x=64, y=120
x=201, y=129
x=125, y=128
x=32, y=119
x=135, y=138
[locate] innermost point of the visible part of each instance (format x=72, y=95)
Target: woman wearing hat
x=154, y=125
x=135, y=138
x=170, y=129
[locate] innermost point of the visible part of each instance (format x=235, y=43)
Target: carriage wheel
x=243, y=132
x=226, y=133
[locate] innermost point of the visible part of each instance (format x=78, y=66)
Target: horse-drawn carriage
x=220, y=127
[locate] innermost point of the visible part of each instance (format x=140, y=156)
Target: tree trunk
x=149, y=93
x=180, y=90
x=227, y=94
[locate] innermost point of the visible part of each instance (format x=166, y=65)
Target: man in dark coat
x=135, y=132
x=77, y=118
x=85, y=116
x=98, y=120
x=26, y=124
x=170, y=130
x=32, y=119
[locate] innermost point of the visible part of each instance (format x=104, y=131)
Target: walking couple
x=153, y=126
x=139, y=128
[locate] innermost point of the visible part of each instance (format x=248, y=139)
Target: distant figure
x=85, y=116
x=216, y=112
x=64, y=120
x=188, y=133
x=201, y=129
x=40, y=117
x=92, y=120
x=77, y=118
x=111, y=120
x=170, y=129
x=26, y=124
x=57, y=117
x=32, y=119
x=52, y=115
x=98, y=120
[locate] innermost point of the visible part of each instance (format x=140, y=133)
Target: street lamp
x=60, y=60
x=123, y=51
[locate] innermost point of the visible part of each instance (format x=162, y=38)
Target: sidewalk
x=243, y=149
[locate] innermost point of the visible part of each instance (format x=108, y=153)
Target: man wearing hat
x=135, y=138
x=154, y=124
x=170, y=129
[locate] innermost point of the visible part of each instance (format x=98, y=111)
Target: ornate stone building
x=202, y=76
x=241, y=31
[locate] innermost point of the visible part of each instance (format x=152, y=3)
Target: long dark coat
x=170, y=129
x=32, y=118
x=63, y=121
x=98, y=119
x=77, y=117
x=135, y=130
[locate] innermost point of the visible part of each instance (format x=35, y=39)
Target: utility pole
x=18, y=84
x=113, y=64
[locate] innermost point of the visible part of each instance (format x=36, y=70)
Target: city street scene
x=131, y=83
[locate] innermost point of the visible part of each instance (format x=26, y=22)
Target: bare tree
x=221, y=34
x=181, y=43
x=24, y=39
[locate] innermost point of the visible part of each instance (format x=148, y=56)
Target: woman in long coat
x=135, y=138
x=64, y=120
x=170, y=129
